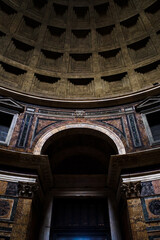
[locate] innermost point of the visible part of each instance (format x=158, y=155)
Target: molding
x=142, y=177
x=106, y=131
x=146, y=158
x=67, y=103
x=10, y=103
x=11, y=178
x=148, y=104
x=20, y=161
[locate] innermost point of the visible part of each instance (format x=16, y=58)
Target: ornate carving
x=27, y=190
x=79, y=113
x=131, y=189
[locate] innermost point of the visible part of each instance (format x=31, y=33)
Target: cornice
x=144, y=159
x=20, y=161
x=80, y=103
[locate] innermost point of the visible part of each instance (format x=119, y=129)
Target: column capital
x=27, y=190
x=131, y=189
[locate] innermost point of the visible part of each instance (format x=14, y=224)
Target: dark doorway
x=80, y=219
x=79, y=160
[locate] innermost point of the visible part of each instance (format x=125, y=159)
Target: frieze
x=80, y=113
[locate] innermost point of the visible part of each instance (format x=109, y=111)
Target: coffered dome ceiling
x=71, y=49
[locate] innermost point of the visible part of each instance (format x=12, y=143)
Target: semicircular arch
x=103, y=130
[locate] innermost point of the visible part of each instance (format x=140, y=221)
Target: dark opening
x=80, y=219
x=5, y=122
x=154, y=124
x=78, y=152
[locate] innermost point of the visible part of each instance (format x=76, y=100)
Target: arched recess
x=79, y=155
x=110, y=136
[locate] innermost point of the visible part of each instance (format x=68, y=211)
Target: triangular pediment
x=11, y=104
x=148, y=103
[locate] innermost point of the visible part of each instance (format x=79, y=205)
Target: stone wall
x=143, y=211
x=123, y=121
x=15, y=213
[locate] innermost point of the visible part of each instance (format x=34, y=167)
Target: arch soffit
x=106, y=131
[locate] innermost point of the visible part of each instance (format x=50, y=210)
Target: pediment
x=148, y=103
x=11, y=104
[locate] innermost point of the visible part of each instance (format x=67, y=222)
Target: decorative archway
x=90, y=185
x=111, y=135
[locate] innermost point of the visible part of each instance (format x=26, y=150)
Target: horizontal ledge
x=78, y=103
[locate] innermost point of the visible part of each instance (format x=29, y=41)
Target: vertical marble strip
x=24, y=133
x=134, y=130
x=138, y=226
x=3, y=187
x=22, y=220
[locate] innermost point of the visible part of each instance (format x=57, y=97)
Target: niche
x=81, y=38
x=50, y=60
x=141, y=50
x=153, y=13
x=106, y=36
x=102, y=12
x=133, y=27
x=29, y=28
x=19, y=51
x=55, y=37
x=6, y=14
x=80, y=62
x=11, y=74
x=110, y=59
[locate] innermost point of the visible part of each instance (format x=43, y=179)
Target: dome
x=70, y=50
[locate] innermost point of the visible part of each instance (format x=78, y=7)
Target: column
x=113, y=217
x=46, y=225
